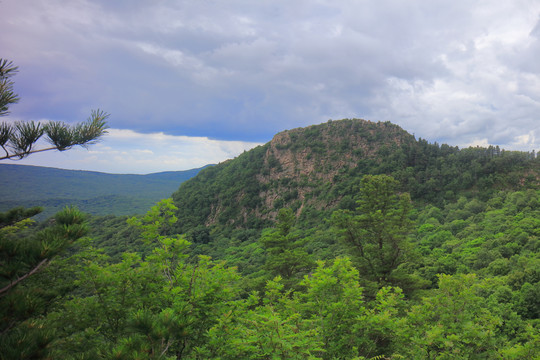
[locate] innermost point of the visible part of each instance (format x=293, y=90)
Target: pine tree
x=377, y=231
x=18, y=139
x=286, y=255
x=25, y=252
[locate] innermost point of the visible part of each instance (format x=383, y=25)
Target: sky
x=188, y=83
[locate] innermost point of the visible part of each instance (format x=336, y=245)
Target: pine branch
x=7, y=96
x=21, y=136
x=62, y=136
x=21, y=155
x=6, y=288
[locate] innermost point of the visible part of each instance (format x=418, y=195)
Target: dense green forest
x=92, y=192
x=345, y=240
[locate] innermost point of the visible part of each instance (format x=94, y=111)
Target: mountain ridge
x=93, y=192
x=319, y=167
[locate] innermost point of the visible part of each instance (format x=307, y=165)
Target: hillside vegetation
x=312, y=170
x=345, y=240
x=92, y=192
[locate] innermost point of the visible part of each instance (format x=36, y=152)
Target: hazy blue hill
x=93, y=192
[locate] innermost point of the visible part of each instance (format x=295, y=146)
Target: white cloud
x=525, y=140
x=476, y=142
x=126, y=151
x=451, y=72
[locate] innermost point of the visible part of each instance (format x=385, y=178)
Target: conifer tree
x=24, y=253
x=377, y=231
x=18, y=139
x=286, y=255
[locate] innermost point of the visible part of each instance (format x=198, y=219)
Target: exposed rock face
x=307, y=157
x=315, y=169
x=299, y=168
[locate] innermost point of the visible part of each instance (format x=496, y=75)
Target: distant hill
x=317, y=169
x=93, y=192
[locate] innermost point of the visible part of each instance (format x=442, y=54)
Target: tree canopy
x=377, y=231
x=371, y=274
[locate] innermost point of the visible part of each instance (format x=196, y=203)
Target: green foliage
x=462, y=259
x=22, y=136
x=115, y=236
x=160, y=306
x=349, y=327
x=23, y=257
x=377, y=232
x=16, y=215
x=7, y=95
x=317, y=169
x=20, y=256
x=218, y=193
x=453, y=323
x=92, y=192
x=267, y=328
x=498, y=243
x=528, y=348
x=285, y=250
x=18, y=139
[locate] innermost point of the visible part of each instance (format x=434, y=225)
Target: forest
x=344, y=240
x=92, y=192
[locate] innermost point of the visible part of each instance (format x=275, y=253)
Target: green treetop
x=377, y=231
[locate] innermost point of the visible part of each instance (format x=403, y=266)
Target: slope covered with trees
x=314, y=169
x=345, y=240
x=92, y=192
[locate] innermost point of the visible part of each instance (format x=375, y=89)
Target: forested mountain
x=92, y=192
x=345, y=240
x=317, y=168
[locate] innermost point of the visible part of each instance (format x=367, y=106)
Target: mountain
x=316, y=169
x=303, y=256
x=93, y=192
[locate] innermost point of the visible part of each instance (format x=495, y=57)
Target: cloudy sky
x=189, y=83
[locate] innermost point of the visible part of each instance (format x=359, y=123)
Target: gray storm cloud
x=458, y=72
